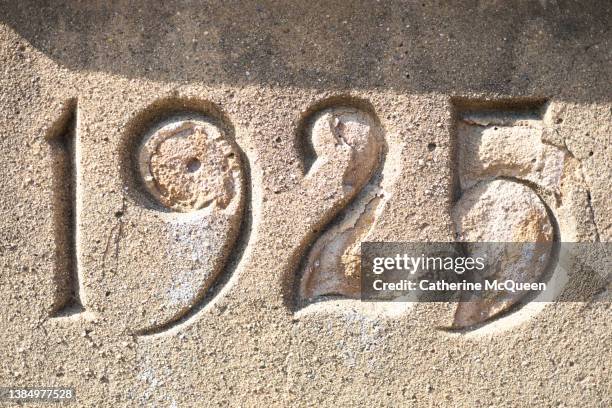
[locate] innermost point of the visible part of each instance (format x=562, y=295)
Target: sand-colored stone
x=332, y=266
x=191, y=309
x=352, y=133
x=509, y=145
x=186, y=165
x=502, y=211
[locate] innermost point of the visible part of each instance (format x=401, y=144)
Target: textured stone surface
x=502, y=211
x=332, y=266
x=354, y=134
x=508, y=145
x=185, y=309
x=187, y=165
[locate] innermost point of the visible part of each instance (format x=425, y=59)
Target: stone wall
x=186, y=185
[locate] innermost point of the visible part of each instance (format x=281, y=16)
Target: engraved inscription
x=187, y=165
x=332, y=265
x=501, y=159
x=62, y=139
x=193, y=175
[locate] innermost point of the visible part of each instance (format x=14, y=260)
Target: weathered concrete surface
x=170, y=310
x=502, y=211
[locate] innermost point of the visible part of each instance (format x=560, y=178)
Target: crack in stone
x=116, y=232
x=584, y=181
x=333, y=266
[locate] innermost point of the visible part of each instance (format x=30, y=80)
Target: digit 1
x=62, y=139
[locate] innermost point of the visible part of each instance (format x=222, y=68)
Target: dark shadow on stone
x=538, y=49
